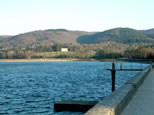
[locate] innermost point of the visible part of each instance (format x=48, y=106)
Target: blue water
x=31, y=88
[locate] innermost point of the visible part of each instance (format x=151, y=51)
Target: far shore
x=45, y=60
x=72, y=59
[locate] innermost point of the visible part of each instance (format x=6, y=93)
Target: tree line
x=102, y=51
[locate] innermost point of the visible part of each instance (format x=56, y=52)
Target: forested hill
x=46, y=38
x=120, y=35
x=63, y=36
x=150, y=33
x=4, y=37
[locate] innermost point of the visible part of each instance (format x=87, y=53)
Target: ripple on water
x=31, y=88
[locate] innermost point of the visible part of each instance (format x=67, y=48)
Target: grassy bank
x=69, y=54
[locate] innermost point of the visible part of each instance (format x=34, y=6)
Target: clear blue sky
x=20, y=16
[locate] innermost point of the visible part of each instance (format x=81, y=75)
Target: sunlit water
x=31, y=88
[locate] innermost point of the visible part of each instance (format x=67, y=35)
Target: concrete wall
x=118, y=100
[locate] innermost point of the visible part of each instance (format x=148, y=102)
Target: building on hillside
x=64, y=49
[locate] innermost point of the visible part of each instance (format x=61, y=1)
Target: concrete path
x=142, y=102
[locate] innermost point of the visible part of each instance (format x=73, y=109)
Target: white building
x=64, y=49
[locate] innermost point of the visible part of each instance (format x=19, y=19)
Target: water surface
x=33, y=87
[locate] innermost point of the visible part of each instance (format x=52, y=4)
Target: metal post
x=113, y=72
x=120, y=65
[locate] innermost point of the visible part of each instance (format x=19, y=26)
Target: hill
x=150, y=33
x=63, y=36
x=119, y=35
x=4, y=37
x=46, y=37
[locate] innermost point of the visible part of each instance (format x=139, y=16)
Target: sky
x=21, y=16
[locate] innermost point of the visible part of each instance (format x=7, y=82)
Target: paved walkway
x=143, y=101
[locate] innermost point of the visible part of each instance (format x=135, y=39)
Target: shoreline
x=72, y=59
x=45, y=60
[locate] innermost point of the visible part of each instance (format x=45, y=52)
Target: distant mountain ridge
x=120, y=35
x=3, y=37
x=42, y=37
x=63, y=36
x=149, y=33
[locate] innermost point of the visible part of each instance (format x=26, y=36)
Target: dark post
x=120, y=65
x=113, y=72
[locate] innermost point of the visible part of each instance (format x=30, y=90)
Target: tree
x=57, y=47
x=11, y=54
x=28, y=54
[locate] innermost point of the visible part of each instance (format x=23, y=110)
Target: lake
x=31, y=88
